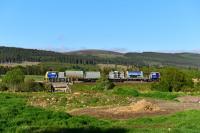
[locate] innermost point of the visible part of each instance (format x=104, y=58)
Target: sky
x=119, y=25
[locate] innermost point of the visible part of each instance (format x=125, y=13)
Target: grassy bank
x=131, y=90
x=17, y=116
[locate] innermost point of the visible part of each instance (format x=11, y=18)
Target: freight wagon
x=92, y=76
x=116, y=76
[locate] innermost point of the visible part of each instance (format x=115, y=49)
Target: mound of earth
x=138, y=107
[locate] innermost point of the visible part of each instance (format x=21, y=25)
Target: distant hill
x=95, y=52
x=147, y=58
x=12, y=54
x=171, y=59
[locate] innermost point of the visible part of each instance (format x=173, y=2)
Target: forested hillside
x=169, y=59
x=11, y=54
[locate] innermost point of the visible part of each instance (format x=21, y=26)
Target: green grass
x=83, y=86
x=137, y=86
x=17, y=116
x=131, y=90
x=35, y=77
x=149, y=94
x=161, y=95
x=187, y=122
x=126, y=92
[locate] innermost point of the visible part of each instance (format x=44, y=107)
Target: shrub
x=14, y=79
x=30, y=86
x=103, y=84
x=197, y=86
x=27, y=86
x=3, y=87
x=173, y=80
x=15, y=76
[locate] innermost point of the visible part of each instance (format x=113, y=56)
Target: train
x=92, y=76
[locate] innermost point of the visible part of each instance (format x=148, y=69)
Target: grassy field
x=51, y=112
x=131, y=90
x=35, y=77
x=17, y=116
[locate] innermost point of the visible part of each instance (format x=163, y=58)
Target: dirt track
x=165, y=107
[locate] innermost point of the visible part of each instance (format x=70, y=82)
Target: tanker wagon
x=61, y=77
x=74, y=75
x=92, y=76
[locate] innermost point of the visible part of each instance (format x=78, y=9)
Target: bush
x=103, y=84
x=14, y=77
x=197, y=86
x=28, y=85
x=14, y=80
x=31, y=86
x=3, y=87
x=126, y=92
x=173, y=80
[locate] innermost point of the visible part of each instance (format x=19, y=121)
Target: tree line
x=42, y=68
x=18, y=55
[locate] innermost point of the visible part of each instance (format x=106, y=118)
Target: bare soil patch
x=189, y=99
x=141, y=108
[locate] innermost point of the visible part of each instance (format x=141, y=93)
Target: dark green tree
x=173, y=80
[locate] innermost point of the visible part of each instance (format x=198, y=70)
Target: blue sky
x=120, y=25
